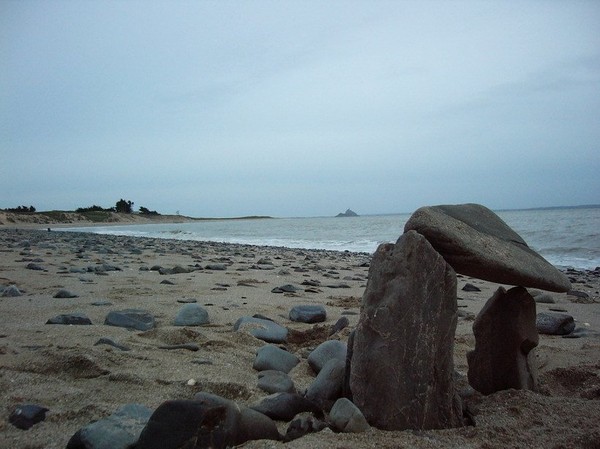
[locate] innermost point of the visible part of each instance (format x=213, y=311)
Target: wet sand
x=61, y=368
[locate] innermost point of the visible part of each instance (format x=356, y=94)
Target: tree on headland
x=125, y=207
x=21, y=209
x=146, y=211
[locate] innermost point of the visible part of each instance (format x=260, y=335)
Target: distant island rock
x=348, y=213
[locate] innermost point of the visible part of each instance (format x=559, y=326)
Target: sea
x=566, y=237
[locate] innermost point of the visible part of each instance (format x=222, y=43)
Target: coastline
x=62, y=368
x=60, y=219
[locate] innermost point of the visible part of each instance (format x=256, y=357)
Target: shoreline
x=62, y=367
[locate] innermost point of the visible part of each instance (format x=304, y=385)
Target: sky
x=299, y=108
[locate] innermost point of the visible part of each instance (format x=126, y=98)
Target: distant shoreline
x=63, y=219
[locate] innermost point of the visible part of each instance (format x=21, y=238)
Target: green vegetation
x=21, y=210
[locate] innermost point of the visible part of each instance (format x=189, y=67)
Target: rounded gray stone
x=271, y=357
x=308, y=314
x=191, y=315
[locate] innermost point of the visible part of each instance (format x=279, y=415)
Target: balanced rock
x=476, y=242
x=401, y=371
x=505, y=335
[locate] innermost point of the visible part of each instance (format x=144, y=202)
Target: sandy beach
x=62, y=368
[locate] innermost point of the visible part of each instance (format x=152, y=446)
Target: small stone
x=64, y=293
x=70, y=319
x=191, y=315
x=552, y=323
x=326, y=351
x=470, y=288
x=120, y=430
x=25, y=416
x=131, y=319
x=308, y=314
x=273, y=381
x=262, y=329
x=346, y=417
x=11, y=292
x=271, y=357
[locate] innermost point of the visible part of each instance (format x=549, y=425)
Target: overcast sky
x=299, y=108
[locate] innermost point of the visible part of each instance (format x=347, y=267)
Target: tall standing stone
x=401, y=371
x=505, y=334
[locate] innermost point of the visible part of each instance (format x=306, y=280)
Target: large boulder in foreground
x=401, y=371
x=505, y=335
x=477, y=243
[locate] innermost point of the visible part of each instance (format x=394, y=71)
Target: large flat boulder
x=401, y=368
x=477, y=243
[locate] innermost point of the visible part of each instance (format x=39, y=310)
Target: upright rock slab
x=505, y=335
x=477, y=243
x=401, y=374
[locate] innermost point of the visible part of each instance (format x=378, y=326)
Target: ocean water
x=565, y=237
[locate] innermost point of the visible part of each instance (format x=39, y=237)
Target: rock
x=328, y=350
x=64, y=293
x=274, y=381
x=303, y=424
x=70, y=318
x=120, y=430
x=25, y=416
x=262, y=329
x=340, y=324
x=308, y=314
x=346, y=417
x=271, y=357
x=131, y=319
x=505, y=336
x=554, y=323
x=35, y=267
x=401, y=372
x=216, y=266
x=242, y=423
x=328, y=385
x=110, y=342
x=544, y=298
x=191, y=315
x=287, y=288
x=477, y=243
x=468, y=287
x=11, y=292
x=348, y=213
x=284, y=406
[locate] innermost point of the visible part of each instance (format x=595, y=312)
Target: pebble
x=284, y=406
x=273, y=381
x=191, y=315
x=346, y=417
x=11, y=292
x=131, y=319
x=70, y=319
x=121, y=430
x=25, y=416
x=108, y=341
x=308, y=314
x=64, y=293
x=554, y=323
x=326, y=351
x=271, y=357
x=263, y=329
